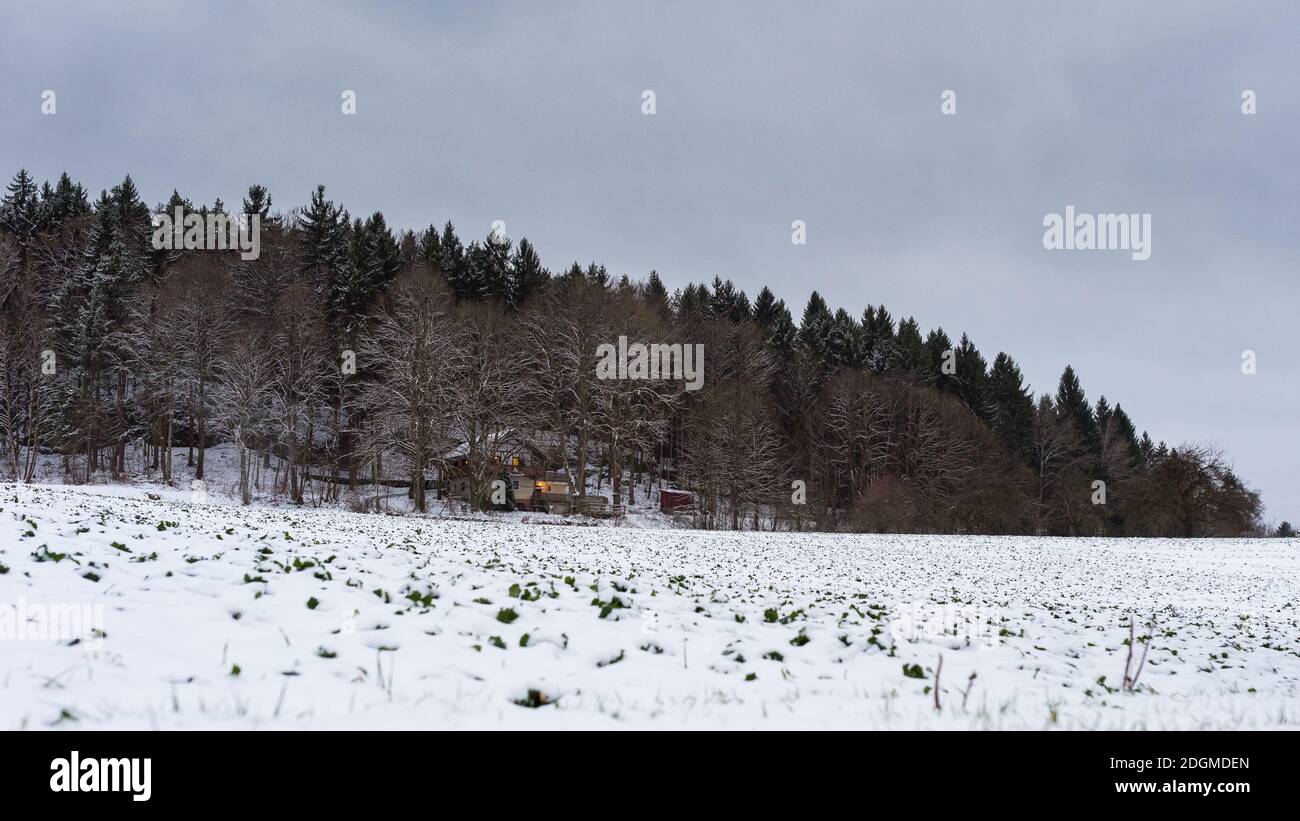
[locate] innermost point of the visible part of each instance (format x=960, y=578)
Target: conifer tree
x=429, y=246
x=765, y=309
x=67, y=201
x=939, y=350
x=386, y=251
x=1012, y=406
x=782, y=336
x=373, y=260
x=1129, y=433
x=1146, y=448
x=774, y=321
x=472, y=282
x=494, y=276
x=258, y=202
x=527, y=276
x=324, y=229
x=1073, y=403
x=656, y=295
x=972, y=378
x=693, y=303
x=134, y=230
x=815, y=328
x=177, y=201
x=597, y=275
x=878, y=338
x=572, y=274
x=1102, y=413
x=844, y=343
x=910, y=354
x=728, y=302
x=452, y=262
x=19, y=213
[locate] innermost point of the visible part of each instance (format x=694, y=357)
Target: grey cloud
x=767, y=112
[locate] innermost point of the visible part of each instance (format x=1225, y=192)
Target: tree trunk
x=167, y=456
x=203, y=431
x=245, y=492
x=616, y=475
x=580, y=474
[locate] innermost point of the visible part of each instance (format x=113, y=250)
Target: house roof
x=505, y=441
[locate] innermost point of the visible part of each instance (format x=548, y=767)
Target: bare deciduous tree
x=243, y=400
x=411, y=351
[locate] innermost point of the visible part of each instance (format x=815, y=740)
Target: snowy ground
x=222, y=482
x=215, y=616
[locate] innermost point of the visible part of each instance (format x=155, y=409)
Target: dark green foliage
x=534, y=699
x=815, y=328
x=880, y=345
x=940, y=361
x=1011, y=406
x=429, y=247
x=727, y=302
x=844, y=343
x=972, y=379
x=1073, y=403
x=910, y=355
x=527, y=276
x=258, y=202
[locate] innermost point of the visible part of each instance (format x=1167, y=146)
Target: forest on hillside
x=350, y=352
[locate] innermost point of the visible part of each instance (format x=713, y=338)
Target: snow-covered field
x=214, y=616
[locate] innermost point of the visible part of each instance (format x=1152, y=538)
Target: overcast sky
x=765, y=113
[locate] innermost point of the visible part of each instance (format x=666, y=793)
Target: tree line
x=349, y=353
